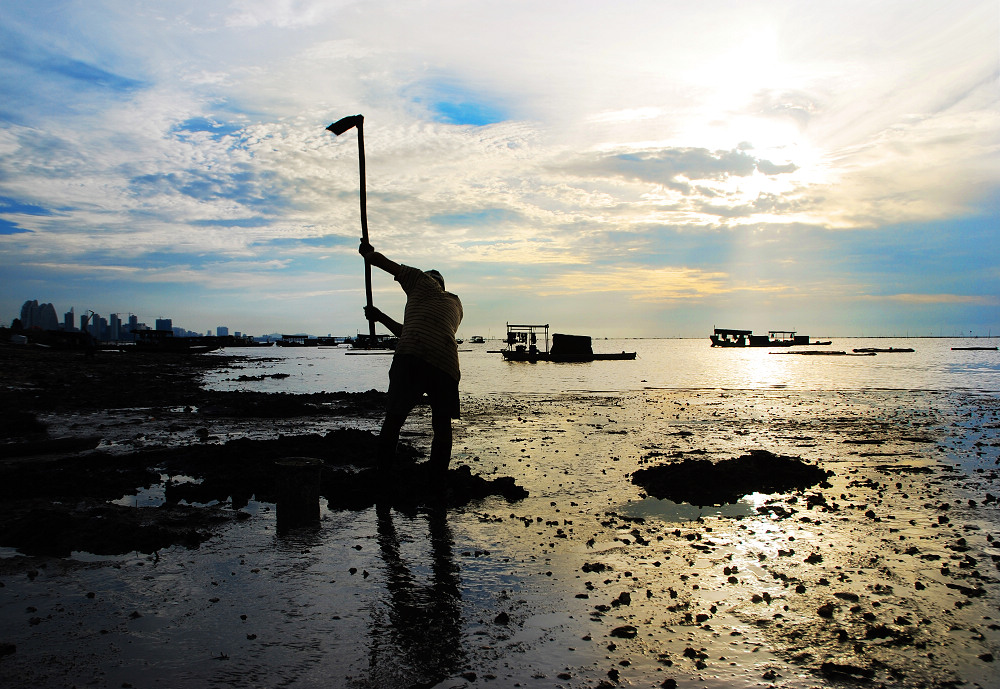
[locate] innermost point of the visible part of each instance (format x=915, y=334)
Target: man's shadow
x=417, y=640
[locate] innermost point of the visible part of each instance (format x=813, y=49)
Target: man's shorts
x=410, y=377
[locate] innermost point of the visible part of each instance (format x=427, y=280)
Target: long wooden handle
x=364, y=223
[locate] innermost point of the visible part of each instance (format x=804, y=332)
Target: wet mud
x=546, y=560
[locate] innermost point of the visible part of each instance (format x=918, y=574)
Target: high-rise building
x=95, y=326
x=164, y=324
x=114, y=327
x=35, y=315
x=222, y=331
x=69, y=320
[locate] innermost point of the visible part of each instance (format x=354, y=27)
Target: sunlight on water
x=672, y=364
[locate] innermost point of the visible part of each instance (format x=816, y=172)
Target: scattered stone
x=624, y=632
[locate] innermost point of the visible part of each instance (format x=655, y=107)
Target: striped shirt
x=430, y=321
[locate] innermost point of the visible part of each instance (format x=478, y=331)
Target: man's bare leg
x=388, y=439
x=441, y=444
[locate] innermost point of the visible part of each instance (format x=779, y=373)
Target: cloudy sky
x=611, y=168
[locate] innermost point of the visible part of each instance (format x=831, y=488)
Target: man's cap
x=437, y=276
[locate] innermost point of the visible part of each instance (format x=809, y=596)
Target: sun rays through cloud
x=686, y=159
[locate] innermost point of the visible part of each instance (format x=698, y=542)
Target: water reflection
x=416, y=640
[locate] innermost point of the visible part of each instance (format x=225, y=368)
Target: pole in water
x=339, y=127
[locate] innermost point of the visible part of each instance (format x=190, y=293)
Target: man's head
x=437, y=276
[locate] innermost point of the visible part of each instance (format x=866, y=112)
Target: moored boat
x=365, y=341
x=728, y=337
x=882, y=350
x=523, y=345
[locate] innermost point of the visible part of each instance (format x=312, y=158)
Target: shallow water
x=671, y=364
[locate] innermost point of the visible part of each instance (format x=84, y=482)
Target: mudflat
x=579, y=540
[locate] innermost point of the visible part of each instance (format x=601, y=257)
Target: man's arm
x=374, y=314
x=378, y=260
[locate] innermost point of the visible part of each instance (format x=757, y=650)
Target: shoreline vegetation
x=575, y=544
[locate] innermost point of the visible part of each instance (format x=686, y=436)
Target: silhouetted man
x=426, y=358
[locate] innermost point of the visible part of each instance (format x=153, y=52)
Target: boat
x=973, y=349
x=477, y=339
x=725, y=337
x=523, y=345
x=297, y=341
x=365, y=341
x=879, y=350
x=826, y=352
x=728, y=337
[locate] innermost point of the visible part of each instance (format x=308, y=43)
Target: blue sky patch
x=451, y=103
x=12, y=205
x=207, y=125
x=322, y=242
x=7, y=227
x=485, y=217
x=238, y=222
x=40, y=58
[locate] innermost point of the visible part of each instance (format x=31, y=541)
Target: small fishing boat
x=297, y=341
x=523, y=345
x=381, y=341
x=728, y=337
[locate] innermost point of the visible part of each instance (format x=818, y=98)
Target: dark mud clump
x=241, y=469
x=40, y=527
x=702, y=482
x=414, y=486
x=60, y=494
x=55, y=505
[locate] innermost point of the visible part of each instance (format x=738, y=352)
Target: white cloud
x=839, y=115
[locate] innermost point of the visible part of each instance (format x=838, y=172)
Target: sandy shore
x=883, y=574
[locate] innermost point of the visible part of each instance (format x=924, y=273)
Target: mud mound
x=55, y=505
x=702, y=482
x=42, y=528
x=414, y=486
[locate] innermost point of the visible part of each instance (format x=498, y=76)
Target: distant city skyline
x=828, y=167
x=498, y=334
